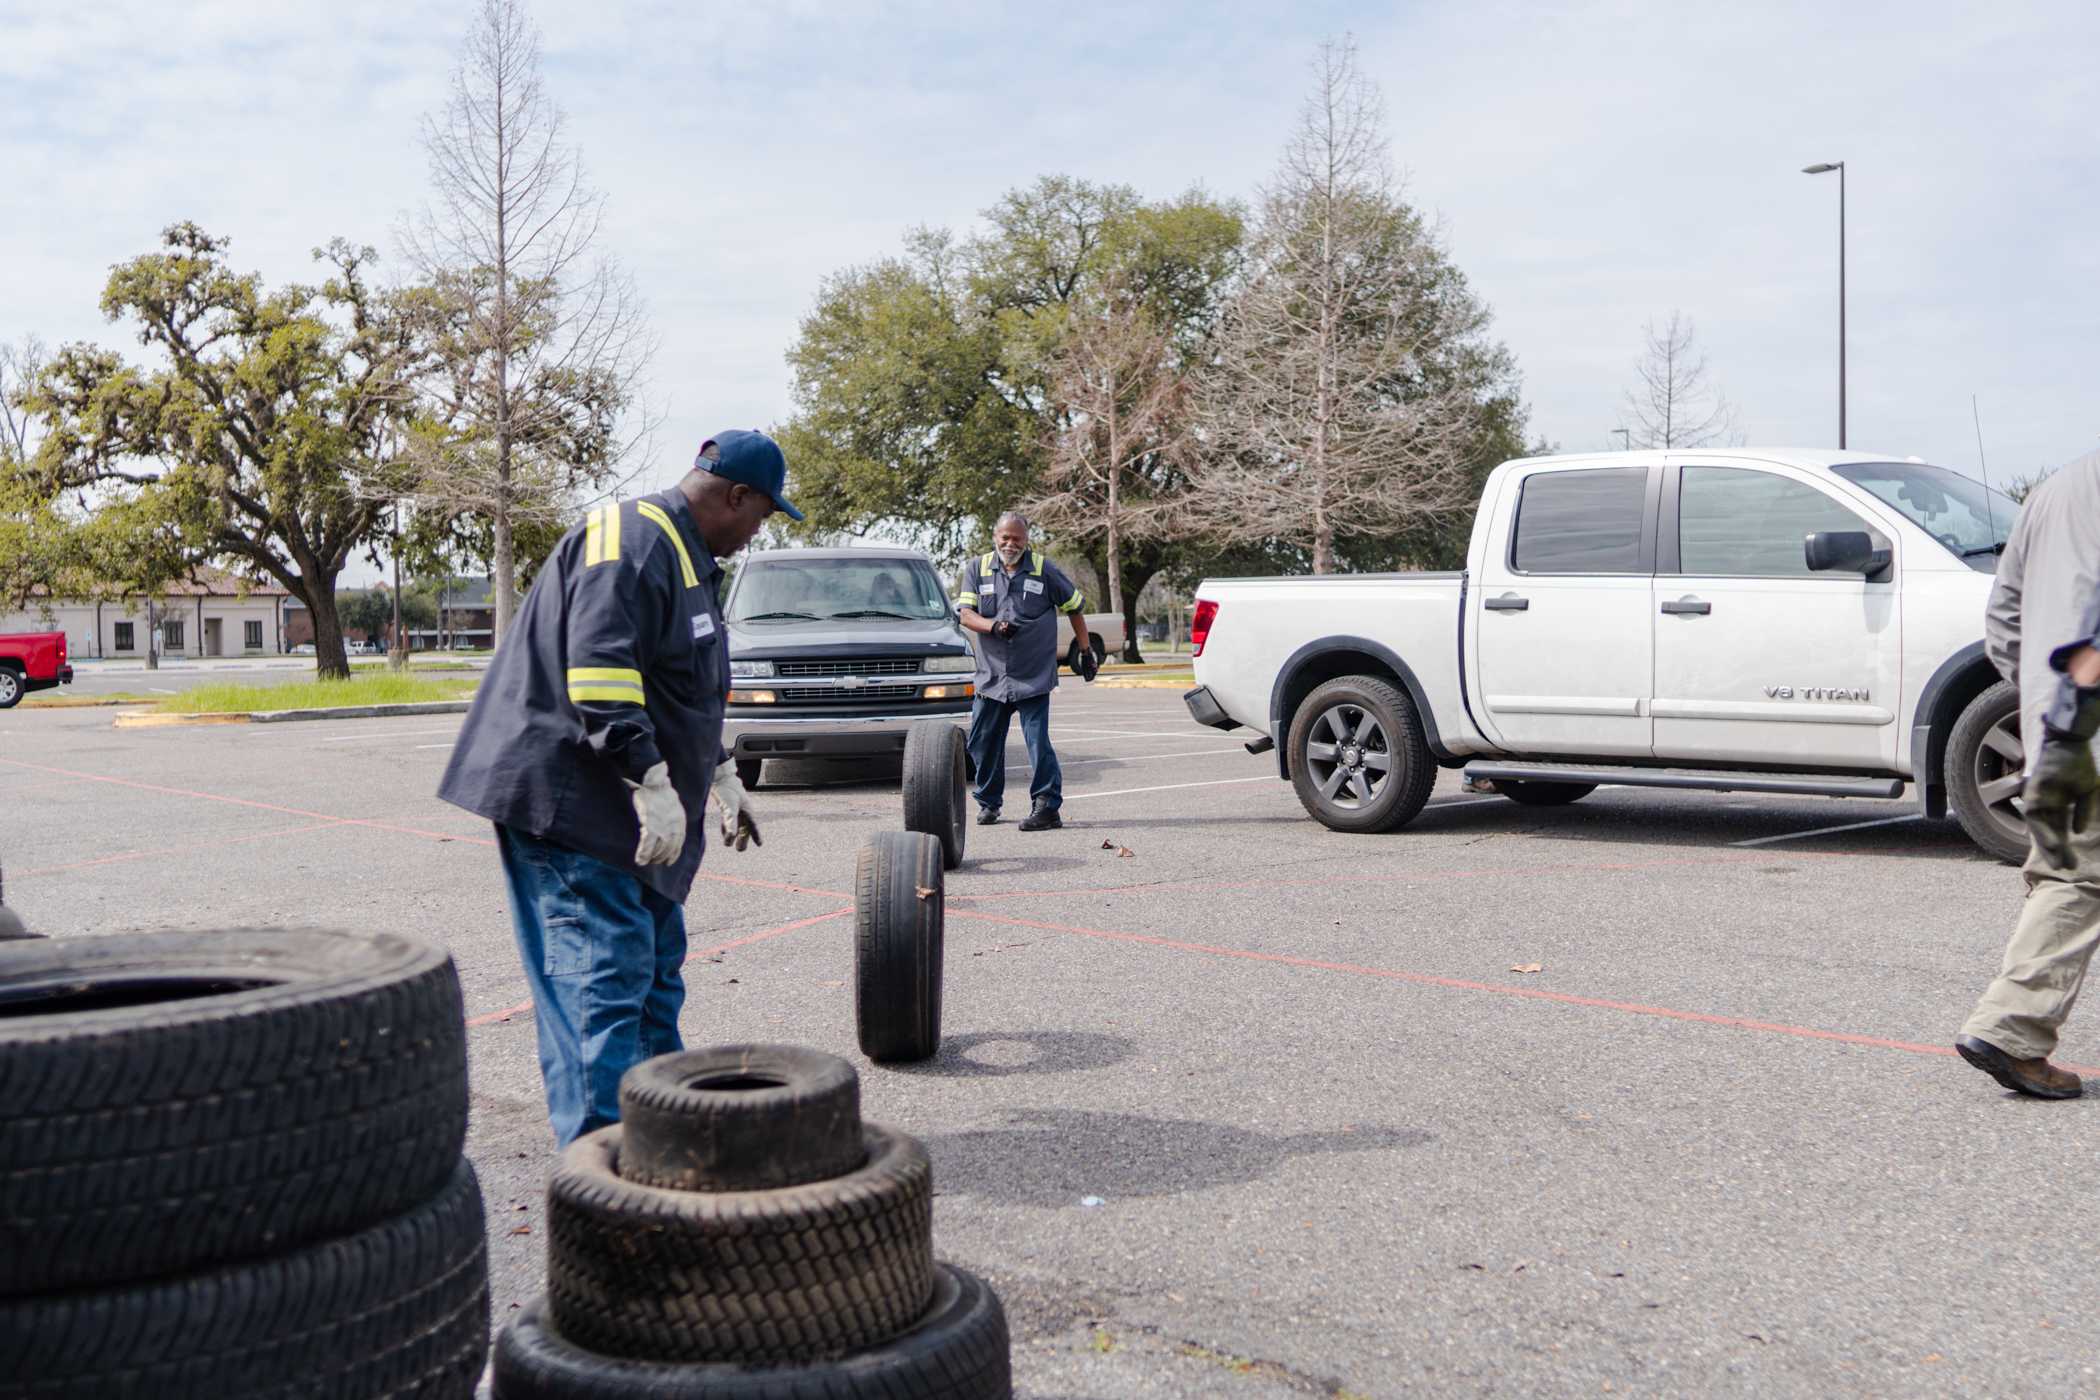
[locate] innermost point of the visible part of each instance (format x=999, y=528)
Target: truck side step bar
x=1805, y=784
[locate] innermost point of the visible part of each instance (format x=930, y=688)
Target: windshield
x=790, y=590
x=1970, y=519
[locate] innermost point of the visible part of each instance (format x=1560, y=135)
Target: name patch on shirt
x=703, y=626
x=1031, y=585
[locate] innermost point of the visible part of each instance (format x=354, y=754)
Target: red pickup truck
x=31, y=661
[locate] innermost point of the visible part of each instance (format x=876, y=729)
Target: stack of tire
x=741, y=1234
x=230, y=1167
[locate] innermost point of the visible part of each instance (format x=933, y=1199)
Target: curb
x=1141, y=683
x=427, y=707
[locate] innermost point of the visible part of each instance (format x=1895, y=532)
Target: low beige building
x=214, y=615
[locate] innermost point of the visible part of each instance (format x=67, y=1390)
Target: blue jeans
x=988, y=723
x=602, y=954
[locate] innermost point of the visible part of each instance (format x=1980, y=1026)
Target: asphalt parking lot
x=1259, y=1110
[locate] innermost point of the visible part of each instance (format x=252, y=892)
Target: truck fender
x=1959, y=679
x=1310, y=656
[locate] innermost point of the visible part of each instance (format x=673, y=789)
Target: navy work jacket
x=616, y=662
x=1030, y=597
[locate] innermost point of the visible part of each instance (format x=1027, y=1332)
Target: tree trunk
x=504, y=570
x=1323, y=540
x=1140, y=575
x=331, y=662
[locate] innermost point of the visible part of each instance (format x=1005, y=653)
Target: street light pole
x=1625, y=439
x=1824, y=168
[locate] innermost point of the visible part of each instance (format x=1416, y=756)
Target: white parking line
x=437, y=746
x=1169, y=787
x=1830, y=830
x=370, y=734
x=1124, y=758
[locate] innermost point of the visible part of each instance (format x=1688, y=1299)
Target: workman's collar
x=681, y=512
x=1025, y=562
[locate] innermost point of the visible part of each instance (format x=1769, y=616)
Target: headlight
x=750, y=670
x=949, y=665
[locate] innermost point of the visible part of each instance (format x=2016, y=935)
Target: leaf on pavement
x=1527, y=967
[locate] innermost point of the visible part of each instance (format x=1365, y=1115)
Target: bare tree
x=1675, y=403
x=542, y=341
x=1121, y=406
x=1330, y=407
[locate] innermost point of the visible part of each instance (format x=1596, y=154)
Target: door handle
x=1508, y=602
x=1687, y=607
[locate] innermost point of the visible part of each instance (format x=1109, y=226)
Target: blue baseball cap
x=751, y=458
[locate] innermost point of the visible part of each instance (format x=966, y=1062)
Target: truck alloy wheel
x=1358, y=759
x=899, y=918
x=740, y=1118
x=762, y=1277
x=10, y=687
x=399, y=1308
x=178, y=1100
x=958, y=1349
x=1986, y=766
x=937, y=786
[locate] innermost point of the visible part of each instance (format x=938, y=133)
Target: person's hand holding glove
x=662, y=817
x=739, y=822
x=2062, y=796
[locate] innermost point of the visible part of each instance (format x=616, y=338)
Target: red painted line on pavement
x=176, y=850
x=1425, y=979
x=490, y=1018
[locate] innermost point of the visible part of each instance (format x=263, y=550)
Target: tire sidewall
x=1977, y=719
x=11, y=687
x=1406, y=787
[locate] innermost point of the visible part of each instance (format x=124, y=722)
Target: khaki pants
x=2045, y=961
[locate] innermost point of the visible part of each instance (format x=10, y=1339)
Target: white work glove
x=662, y=816
x=739, y=822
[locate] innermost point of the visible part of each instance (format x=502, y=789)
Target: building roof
x=209, y=582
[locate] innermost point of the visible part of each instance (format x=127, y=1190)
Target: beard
x=1010, y=557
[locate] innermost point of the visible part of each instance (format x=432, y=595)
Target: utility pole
x=400, y=643
x=1824, y=168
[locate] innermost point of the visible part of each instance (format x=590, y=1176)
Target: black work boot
x=987, y=816
x=1042, y=818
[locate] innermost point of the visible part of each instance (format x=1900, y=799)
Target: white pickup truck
x=1743, y=620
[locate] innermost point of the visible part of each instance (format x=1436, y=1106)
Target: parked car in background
x=835, y=653
x=31, y=661
x=1757, y=621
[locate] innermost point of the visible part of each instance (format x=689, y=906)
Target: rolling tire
x=400, y=1308
x=174, y=1101
x=1984, y=768
x=958, y=1349
x=748, y=770
x=1358, y=758
x=898, y=938
x=740, y=1118
x=758, y=1277
x=1532, y=793
x=937, y=787
x=11, y=688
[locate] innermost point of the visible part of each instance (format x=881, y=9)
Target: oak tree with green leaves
x=249, y=437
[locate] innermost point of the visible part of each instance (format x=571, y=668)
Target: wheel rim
x=1999, y=770
x=1349, y=757
x=9, y=686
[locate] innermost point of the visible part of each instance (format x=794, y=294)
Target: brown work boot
x=2035, y=1078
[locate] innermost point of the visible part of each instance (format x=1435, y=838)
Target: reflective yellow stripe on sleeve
x=593, y=540
x=685, y=560
x=967, y=600
x=607, y=684
x=1071, y=604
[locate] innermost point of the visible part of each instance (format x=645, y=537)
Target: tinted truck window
x=1581, y=522
x=1739, y=523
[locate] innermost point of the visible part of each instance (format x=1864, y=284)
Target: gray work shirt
x=2048, y=592
x=1030, y=595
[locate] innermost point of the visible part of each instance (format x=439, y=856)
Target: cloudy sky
x=1594, y=165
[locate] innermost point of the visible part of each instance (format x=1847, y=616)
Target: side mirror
x=1844, y=552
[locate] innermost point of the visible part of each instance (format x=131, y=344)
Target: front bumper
x=759, y=731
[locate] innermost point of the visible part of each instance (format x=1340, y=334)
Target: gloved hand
x=739, y=822
x=662, y=816
x=1004, y=630
x=1087, y=665
x=2062, y=796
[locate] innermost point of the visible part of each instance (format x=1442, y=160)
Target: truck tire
x=747, y=771
x=759, y=1277
x=11, y=688
x=1985, y=771
x=1532, y=793
x=899, y=918
x=937, y=787
x=174, y=1101
x=400, y=1308
x=958, y=1349
x=1098, y=647
x=740, y=1118
x=1358, y=759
